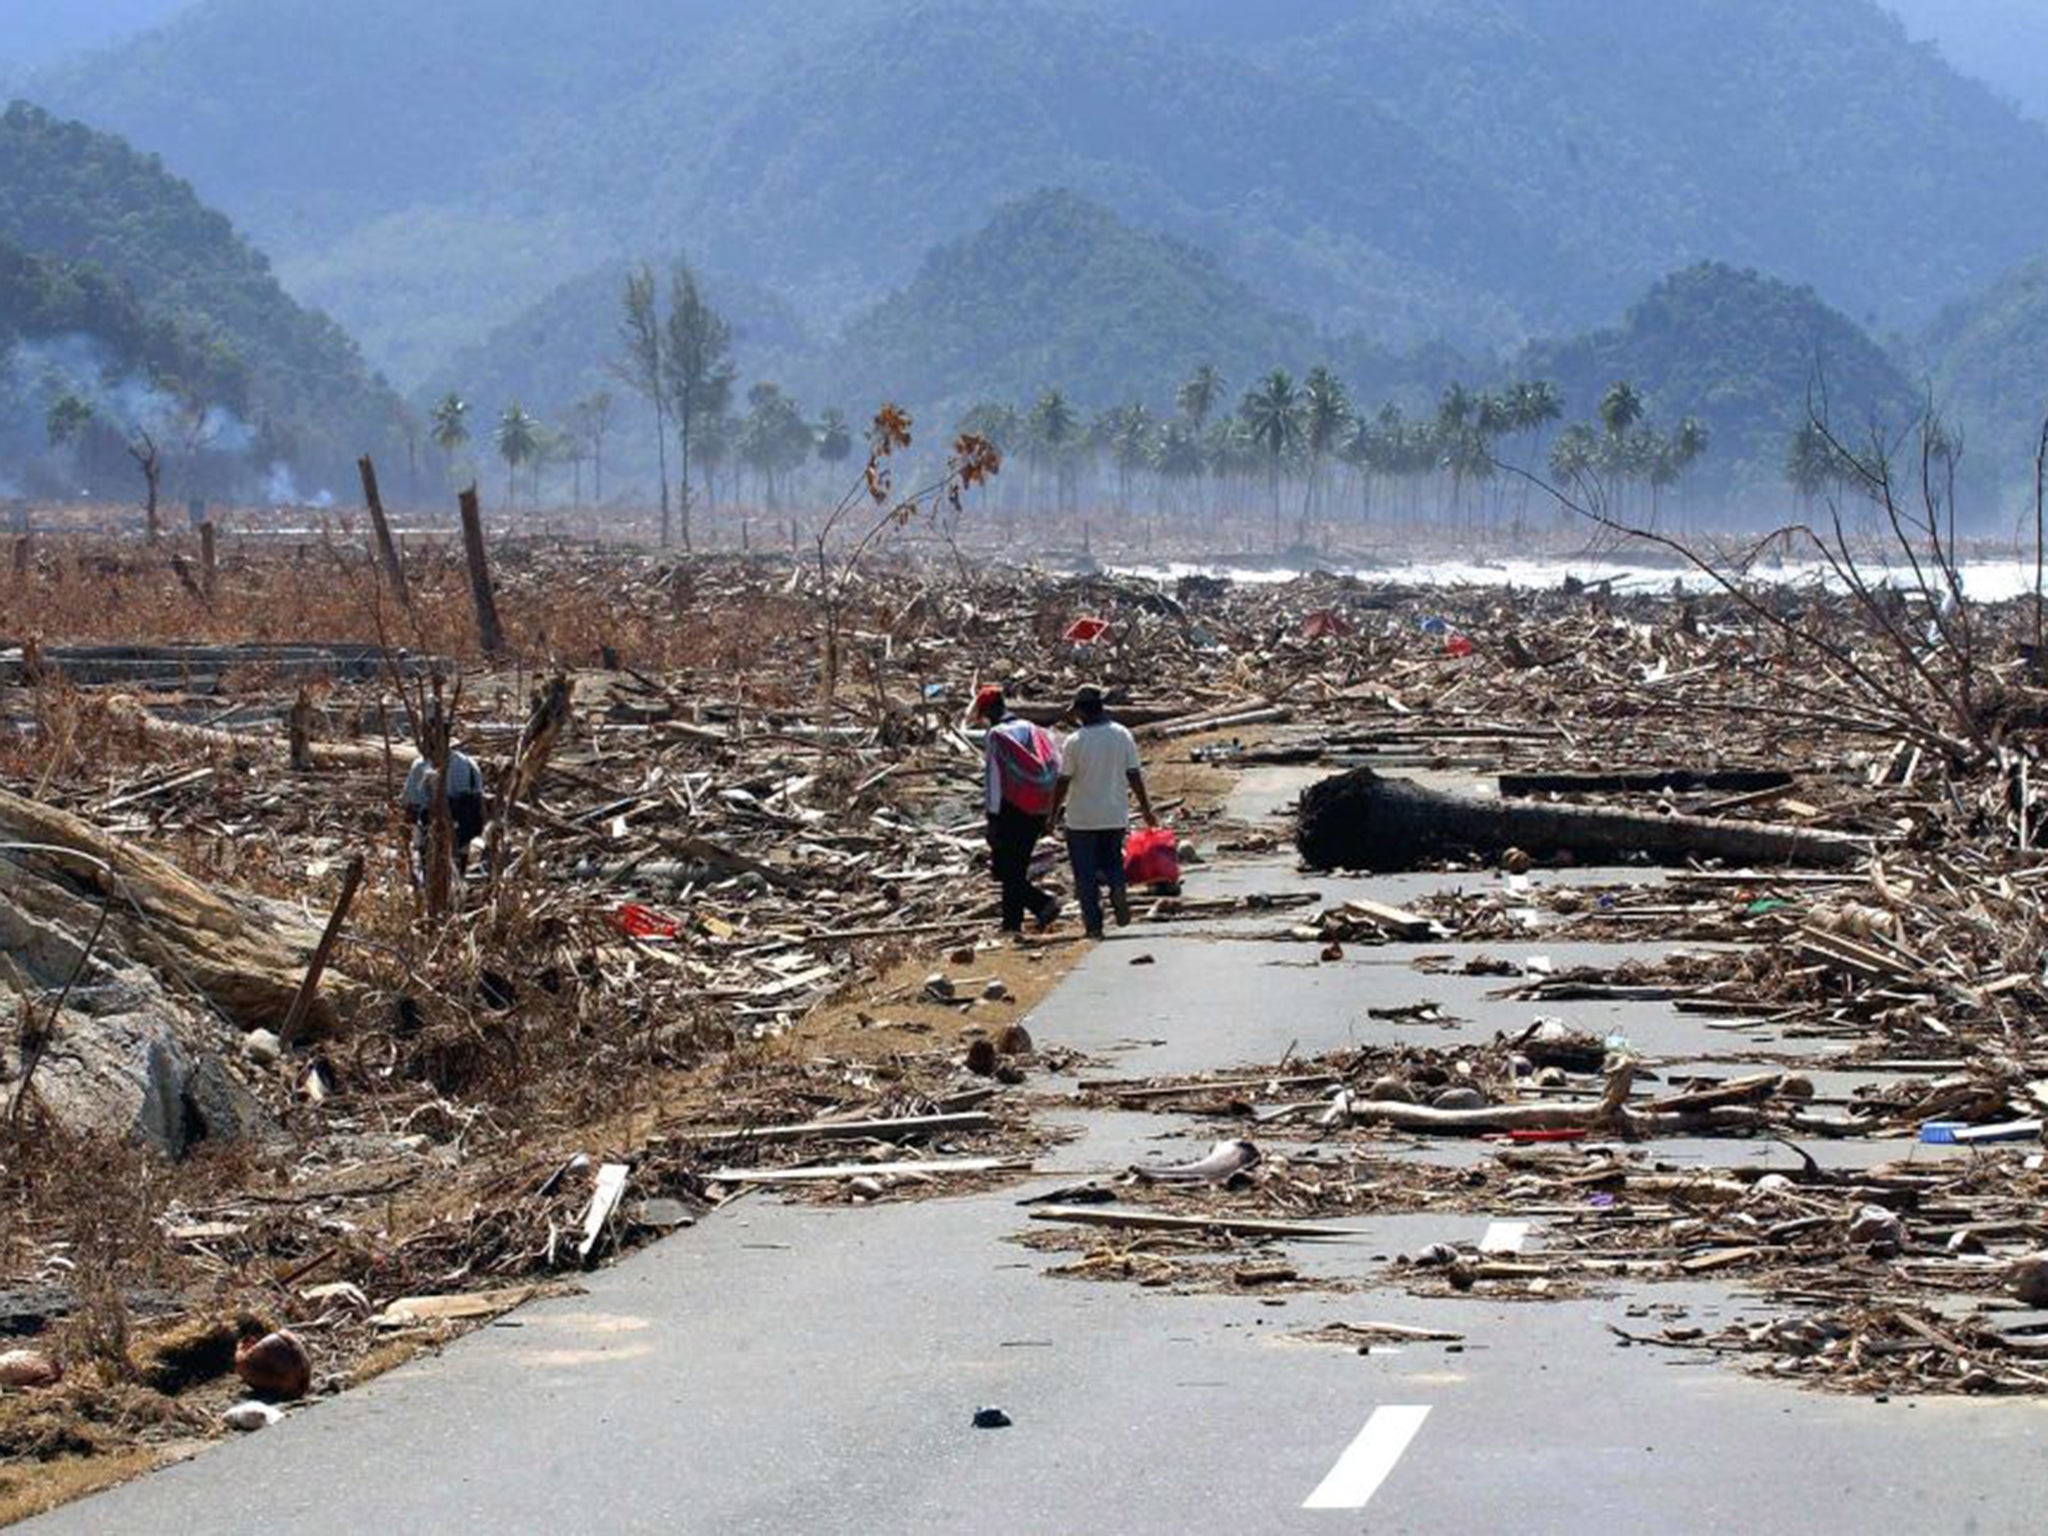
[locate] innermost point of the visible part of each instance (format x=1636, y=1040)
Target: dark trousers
x=1098, y=858
x=466, y=821
x=1012, y=834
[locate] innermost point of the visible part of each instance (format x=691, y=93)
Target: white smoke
x=35, y=373
x=279, y=488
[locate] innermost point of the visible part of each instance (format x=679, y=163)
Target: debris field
x=727, y=933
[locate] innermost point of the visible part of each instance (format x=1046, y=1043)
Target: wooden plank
x=843, y=1130
x=309, y=988
x=1392, y=920
x=408, y=1311
x=1161, y=1221
x=825, y=1172
x=604, y=1199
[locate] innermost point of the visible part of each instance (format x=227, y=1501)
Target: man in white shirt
x=1099, y=773
x=465, y=806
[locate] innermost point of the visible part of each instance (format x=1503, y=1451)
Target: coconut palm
x=1126, y=432
x=1199, y=395
x=448, y=425
x=518, y=439
x=1325, y=419
x=1054, y=432
x=835, y=437
x=1620, y=408
x=1272, y=414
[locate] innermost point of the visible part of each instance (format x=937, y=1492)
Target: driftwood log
x=247, y=965
x=1360, y=820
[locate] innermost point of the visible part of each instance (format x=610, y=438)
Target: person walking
x=1019, y=781
x=1099, y=772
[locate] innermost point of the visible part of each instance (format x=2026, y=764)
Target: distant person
x=1099, y=773
x=1020, y=779
x=465, y=807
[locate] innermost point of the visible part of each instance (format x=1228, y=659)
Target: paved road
x=784, y=1368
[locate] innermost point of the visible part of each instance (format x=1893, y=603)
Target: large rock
x=134, y=1052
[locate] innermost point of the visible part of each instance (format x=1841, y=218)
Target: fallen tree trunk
x=1649, y=781
x=246, y=965
x=1361, y=820
x=318, y=754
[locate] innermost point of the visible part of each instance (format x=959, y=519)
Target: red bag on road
x=1151, y=857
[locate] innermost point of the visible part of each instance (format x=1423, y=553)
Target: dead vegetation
x=733, y=834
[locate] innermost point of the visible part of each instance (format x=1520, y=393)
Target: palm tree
x=1126, y=431
x=1199, y=395
x=1272, y=412
x=835, y=437
x=518, y=439
x=1620, y=408
x=1532, y=405
x=1325, y=417
x=1177, y=452
x=449, y=426
x=1055, y=434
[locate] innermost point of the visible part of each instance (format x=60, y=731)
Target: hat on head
x=987, y=701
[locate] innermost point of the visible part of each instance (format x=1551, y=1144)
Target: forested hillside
x=1056, y=292
x=562, y=349
x=1409, y=170
x=1742, y=353
x=1988, y=358
x=129, y=247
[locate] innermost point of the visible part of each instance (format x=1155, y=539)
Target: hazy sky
x=2004, y=42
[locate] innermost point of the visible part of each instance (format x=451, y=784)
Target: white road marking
x=1504, y=1237
x=1368, y=1459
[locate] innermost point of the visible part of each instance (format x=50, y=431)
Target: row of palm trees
x=773, y=438
x=1296, y=440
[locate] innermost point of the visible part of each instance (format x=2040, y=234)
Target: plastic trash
x=1458, y=646
x=1086, y=631
x=251, y=1416
x=1152, y=857
x=638, y=922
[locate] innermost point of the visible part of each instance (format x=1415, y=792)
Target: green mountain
x=102, y=212
x=470, y=155
x=1055, y=291
x=559, y=349
x=1988, y=358
x=1808, y=138
x=1745, y=354
x=1478, y=171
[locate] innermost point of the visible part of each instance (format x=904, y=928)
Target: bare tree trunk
x=489, y=632
x=387, y=547
x=208, y=572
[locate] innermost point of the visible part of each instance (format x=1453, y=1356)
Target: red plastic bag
x=1086, y=631
x=638, y=922
x=1151, y=857
x=1458, y=646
